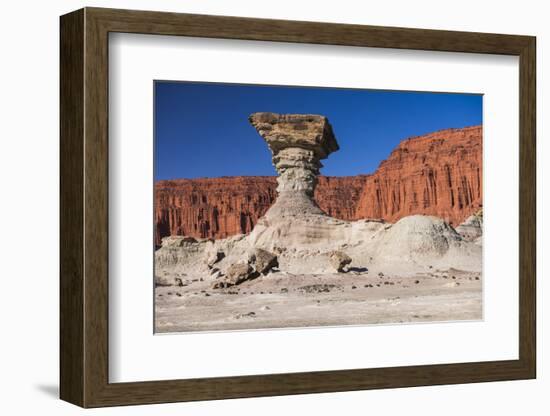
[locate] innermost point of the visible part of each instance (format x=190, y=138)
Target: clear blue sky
x=202, y=129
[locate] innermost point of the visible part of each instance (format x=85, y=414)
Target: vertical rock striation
x=211, y=207
x=438, y=174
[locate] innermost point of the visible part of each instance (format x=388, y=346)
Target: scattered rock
x=238, y=273
x=235, y=275
x=263, y=261
x=318, y=288
x=245, y=315
x=339, y=261
x=168, y=281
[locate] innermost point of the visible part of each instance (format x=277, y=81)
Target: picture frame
x=84, y=217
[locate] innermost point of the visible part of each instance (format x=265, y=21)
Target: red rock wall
x=437, y=174
x=211, y=207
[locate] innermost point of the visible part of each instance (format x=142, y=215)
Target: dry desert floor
x=283, y=300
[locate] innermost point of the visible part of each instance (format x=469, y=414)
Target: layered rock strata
x=297, y=143
x=437, y=174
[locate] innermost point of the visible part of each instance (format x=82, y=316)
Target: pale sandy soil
x=282, y=300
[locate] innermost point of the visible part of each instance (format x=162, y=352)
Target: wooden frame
x=84, y=207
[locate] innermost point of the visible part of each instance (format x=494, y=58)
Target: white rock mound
x=423, y=241
x=472, y=228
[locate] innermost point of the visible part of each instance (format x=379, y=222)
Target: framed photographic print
x=255, y=207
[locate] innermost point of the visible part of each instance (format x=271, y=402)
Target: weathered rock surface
x=263, y=261
x=437, y=174
x=419, y=239
x=238, y=273
x=304, y=131
x=235, y=275
x=339, y=261
x=297, y=142
x=211, y=207
x=472, y=228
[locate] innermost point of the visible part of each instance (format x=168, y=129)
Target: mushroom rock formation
x=298, y=142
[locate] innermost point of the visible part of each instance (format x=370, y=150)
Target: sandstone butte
x=436, y=174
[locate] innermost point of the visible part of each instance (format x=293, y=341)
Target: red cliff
x=436, y=174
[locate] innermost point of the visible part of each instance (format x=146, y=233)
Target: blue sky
x=202, y=129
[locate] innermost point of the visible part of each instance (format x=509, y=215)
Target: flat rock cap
x=307, y=131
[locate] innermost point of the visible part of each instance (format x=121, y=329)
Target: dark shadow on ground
x=358, y=269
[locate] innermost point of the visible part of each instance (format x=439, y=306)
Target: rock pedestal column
x=298, y=143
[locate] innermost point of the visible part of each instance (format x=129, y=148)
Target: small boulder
x=219, y=285
x=235, y=275
x=168, y=281
x=263, y=261
x=339, y=261
x=238, y=273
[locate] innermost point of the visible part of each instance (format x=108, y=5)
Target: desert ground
x=280, y=300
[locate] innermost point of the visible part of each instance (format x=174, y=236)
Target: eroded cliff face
x=211, y=207
x=437, y=174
